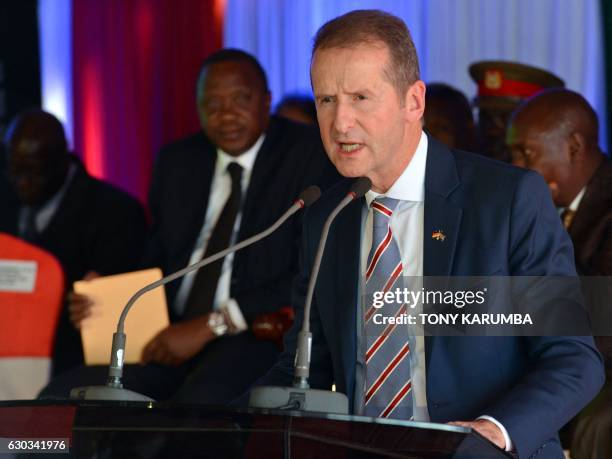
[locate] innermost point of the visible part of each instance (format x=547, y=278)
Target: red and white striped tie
x=388, y=381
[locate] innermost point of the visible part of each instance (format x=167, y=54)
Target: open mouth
x=349, y=147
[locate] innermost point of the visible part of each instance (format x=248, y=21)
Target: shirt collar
x=246, y=159
x=410, y=186
x=48, y=209
x=53, y=202
x=576, y=202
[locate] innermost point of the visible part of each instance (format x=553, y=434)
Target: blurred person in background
x=51, y=201
x=298, y=108
x=502, y=86
x=448, y=117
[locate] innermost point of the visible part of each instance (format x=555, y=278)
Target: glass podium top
x=149, y=429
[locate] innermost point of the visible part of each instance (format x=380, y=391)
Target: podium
x=152, y=430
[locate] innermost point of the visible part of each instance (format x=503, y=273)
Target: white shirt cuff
x=509, y=445
x=235, y=315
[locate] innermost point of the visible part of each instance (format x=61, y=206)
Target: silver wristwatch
x=216, y=322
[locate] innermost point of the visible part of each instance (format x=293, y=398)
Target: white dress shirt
x=407, y=225
x=575, y=203
x=220, y=190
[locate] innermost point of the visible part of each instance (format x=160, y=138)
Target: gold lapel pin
x=438, y=235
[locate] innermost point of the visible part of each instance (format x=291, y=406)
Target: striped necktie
x=388, y=381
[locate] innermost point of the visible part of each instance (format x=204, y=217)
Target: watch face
x=216, y=322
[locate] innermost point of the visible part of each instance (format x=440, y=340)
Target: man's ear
x=415, y=101
x=577, y=146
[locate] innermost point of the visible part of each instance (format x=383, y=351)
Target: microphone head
x=360, y=187
x=309, y=195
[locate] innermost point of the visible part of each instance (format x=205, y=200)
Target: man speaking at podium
x=431, y=212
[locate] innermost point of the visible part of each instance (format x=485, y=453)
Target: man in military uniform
x=502, y=87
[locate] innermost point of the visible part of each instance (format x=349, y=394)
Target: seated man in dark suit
x=556, y=134
x=222, y=185
x=431, y=212
x=51, y=201
x=448, y=117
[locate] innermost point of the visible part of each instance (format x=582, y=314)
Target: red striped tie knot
x=384, y=205
x=382, y=209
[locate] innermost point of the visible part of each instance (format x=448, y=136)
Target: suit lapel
x=595, y=203
x=442, y=218
x=265, y=165
x=441, y=230
x=345, y=265
x=208, y=159
x=71, y=205
x=197, y=192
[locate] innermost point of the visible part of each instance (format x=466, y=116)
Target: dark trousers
x=220, y=373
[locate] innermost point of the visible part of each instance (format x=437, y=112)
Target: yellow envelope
x=147, y=316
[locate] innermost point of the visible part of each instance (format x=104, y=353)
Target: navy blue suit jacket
x=498, y=220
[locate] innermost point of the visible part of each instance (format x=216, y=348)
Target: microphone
x=300, y=396
x=113, y=390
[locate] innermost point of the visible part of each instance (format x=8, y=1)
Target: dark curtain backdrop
x=19, y=60
x=134, y=69
x=606, y=12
